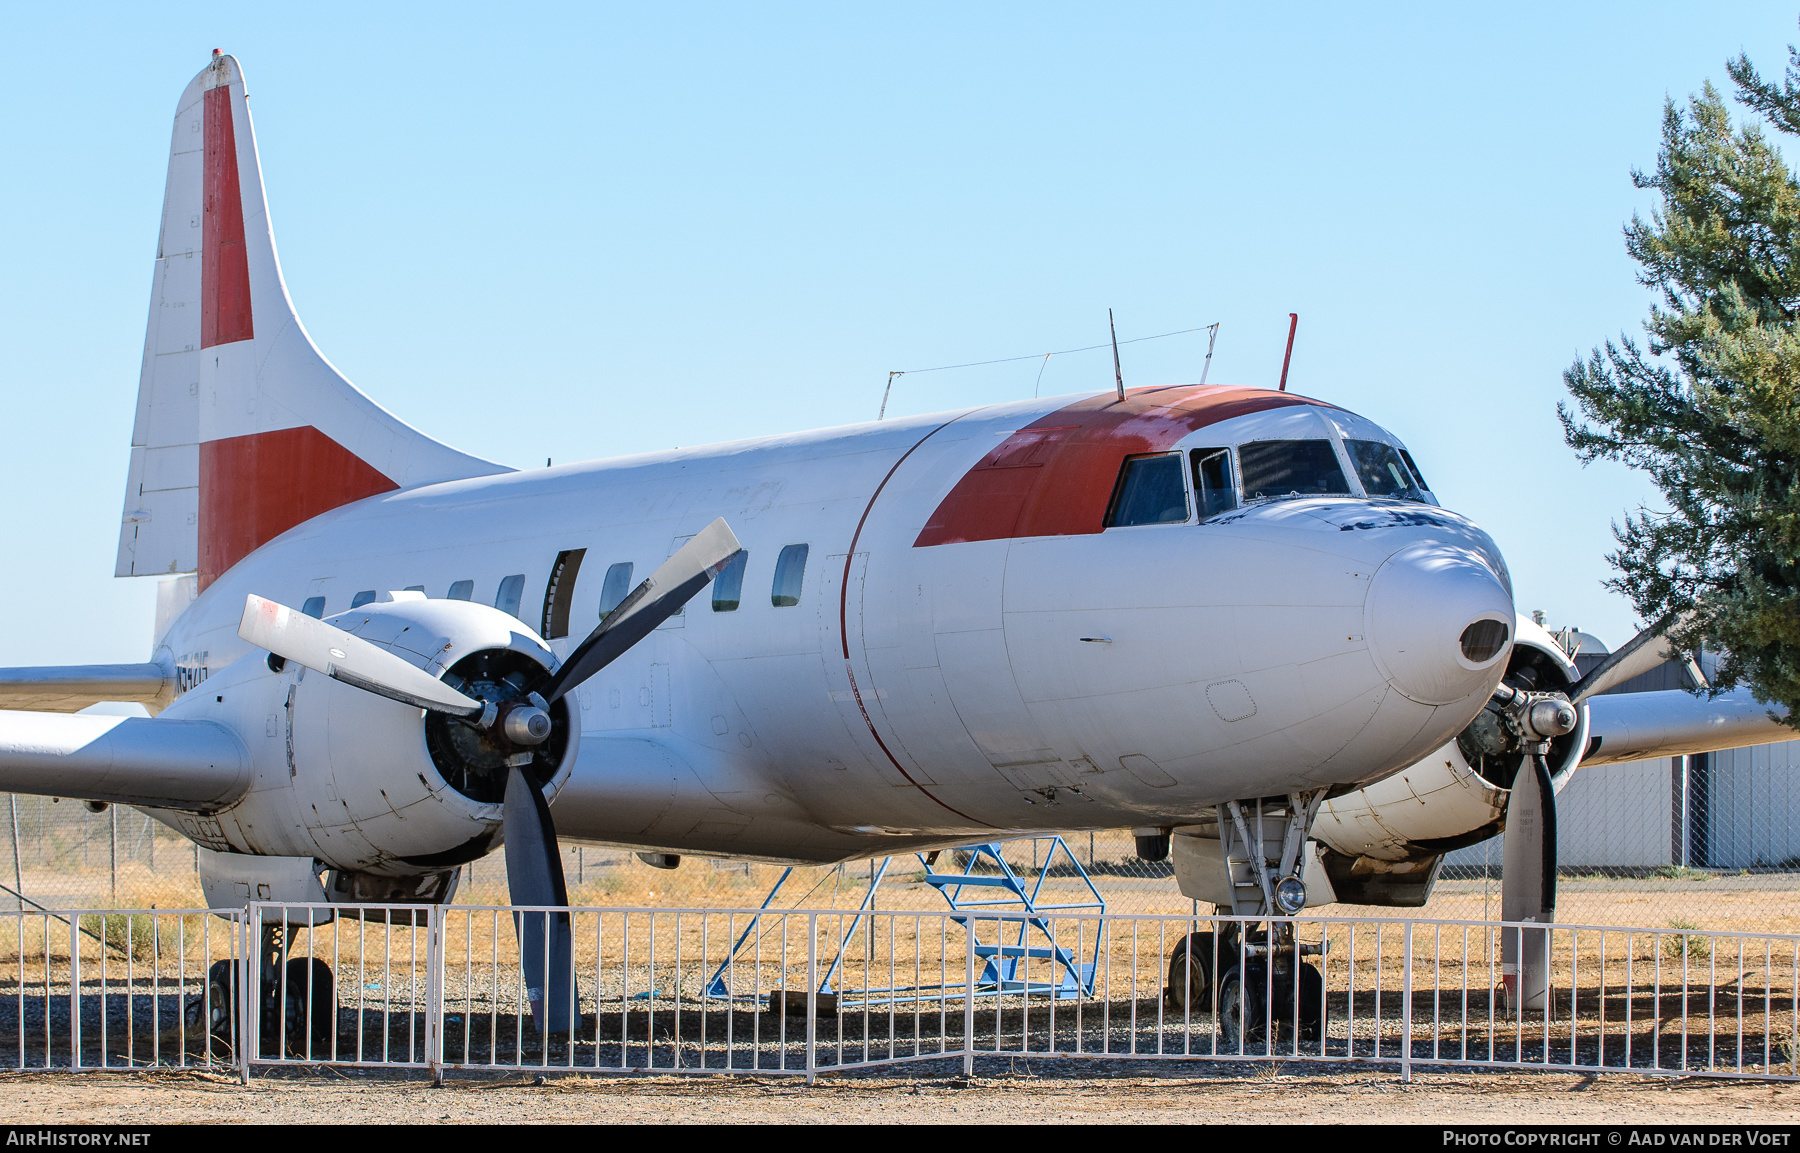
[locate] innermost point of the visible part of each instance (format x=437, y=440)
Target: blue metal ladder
x=1000, y=891
x=1001, y=960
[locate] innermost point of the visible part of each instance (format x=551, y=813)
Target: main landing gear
x=297, y=1000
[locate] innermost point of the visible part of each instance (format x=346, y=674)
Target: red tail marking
x=1055, y=476
x=254, y=488
x=224, y=268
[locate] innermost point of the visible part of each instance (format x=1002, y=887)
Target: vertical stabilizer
x=243, y=429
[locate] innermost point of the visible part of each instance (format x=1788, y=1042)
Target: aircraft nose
x=1439, y=622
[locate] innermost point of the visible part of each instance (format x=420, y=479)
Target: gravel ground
x=997, y=1095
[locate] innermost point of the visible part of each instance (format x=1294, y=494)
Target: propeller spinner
x=509, y=717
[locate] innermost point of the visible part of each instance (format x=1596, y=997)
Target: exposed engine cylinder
x=475, y=760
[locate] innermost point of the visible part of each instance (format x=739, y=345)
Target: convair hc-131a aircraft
x=1192, y=611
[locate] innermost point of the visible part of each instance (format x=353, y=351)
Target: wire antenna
x=1212, y=328
x=1118, y=377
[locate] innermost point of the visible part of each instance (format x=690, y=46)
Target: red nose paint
x=1055, y=476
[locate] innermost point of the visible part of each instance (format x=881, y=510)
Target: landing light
x=1483, y=640
x=1290, y=894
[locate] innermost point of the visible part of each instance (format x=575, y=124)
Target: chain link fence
x=1657, y=844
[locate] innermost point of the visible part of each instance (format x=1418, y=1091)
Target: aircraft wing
x=69, y=688
x=1637, y=726
x=194, y=765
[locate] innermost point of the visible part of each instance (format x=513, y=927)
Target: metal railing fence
x=111, y=989
x=802, y=993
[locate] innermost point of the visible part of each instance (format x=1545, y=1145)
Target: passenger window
x=362, y=598
x=790, y=571
x=314, y=607
x=728, y=586
x=1214, y=486
x=461, y=590
x=1381, y=470
x=559, y=592
x=1278, y=468
x=615, y=586
x=510, y=593
x=1150, y=491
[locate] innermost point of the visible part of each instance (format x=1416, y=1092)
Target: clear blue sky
x=589, y=230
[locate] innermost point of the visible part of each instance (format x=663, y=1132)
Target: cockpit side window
x=1214, y=487
x=1278, y=468
x=1414, y=466
x=1150, y=491
x=1382, y=470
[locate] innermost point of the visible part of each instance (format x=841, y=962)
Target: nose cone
x=1439, y=622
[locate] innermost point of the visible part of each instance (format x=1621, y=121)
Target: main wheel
x=1243, y=1016
x=215, y=1011
x=310, y=1010
x=1190, y=988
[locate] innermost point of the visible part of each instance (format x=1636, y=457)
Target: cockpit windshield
x=1383, y=470
x=1278, y=468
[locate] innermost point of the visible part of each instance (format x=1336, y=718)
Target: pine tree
x=1710, y=405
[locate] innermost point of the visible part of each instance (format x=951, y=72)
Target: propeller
x=533, y=866
x=342, y=656
x=1634, y=658
x=1527, y=722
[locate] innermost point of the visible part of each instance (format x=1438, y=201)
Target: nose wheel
x=1290, y=1000
x=1251, y=991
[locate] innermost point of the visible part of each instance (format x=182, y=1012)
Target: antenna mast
x=884, y=393
x=1118, y=377
x=1210, y=341
x=1293, y=323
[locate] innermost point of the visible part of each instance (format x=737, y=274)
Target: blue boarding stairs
x=1010, y=925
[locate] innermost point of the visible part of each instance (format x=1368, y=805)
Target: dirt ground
x=1006, y=1096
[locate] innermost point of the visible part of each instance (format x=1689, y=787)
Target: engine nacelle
x=370, y=785
x=1392, y=833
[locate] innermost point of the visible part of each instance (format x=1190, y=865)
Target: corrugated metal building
x=1737, y=809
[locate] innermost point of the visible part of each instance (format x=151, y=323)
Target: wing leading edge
x=70, y=688
x=193, y=765
x=1637, y=726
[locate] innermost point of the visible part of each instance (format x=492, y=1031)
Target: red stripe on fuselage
x=224, y=268
x=1055, y=476
x=254, y=488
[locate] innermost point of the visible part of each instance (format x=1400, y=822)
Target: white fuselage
x=916, y=693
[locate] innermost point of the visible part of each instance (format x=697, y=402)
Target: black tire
x=1190, y=987
x=1242, y=1006
x=216, y=1010
x=311, y=1013
x=1310, y=988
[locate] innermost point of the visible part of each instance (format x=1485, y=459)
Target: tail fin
x=243, y=429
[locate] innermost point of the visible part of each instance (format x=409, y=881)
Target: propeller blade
x=534, y=876
x=1528, y=884
x=330, y=650
x=1635, y=657
x=650, y=604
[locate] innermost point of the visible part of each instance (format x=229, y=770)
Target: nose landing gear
x=1262, y=981
x=1250, y=975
